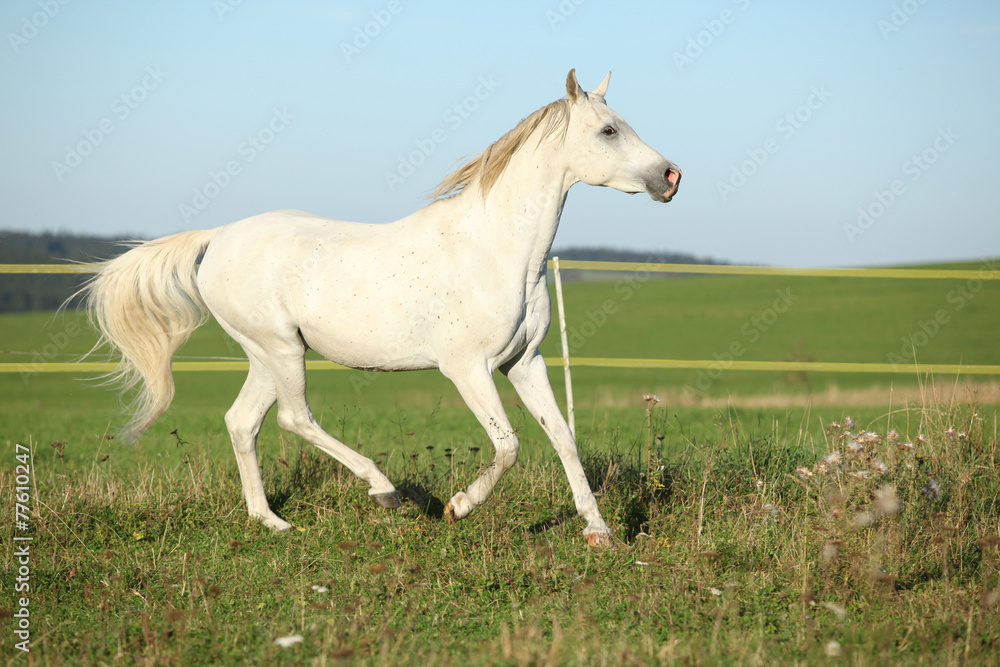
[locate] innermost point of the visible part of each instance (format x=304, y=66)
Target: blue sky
x=810, y=133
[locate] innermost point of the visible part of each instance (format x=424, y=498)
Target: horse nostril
x=673, y=176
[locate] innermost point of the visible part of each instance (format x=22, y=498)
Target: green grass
x=721, y=556
x=824, y=319
x=724, y=553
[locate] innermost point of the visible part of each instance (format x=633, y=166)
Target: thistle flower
x=893, y=435
x=868, y=437
x=990, y=597
x=838, y=610
x=288, y=641
x=854, y=447
x=848, y=422
x=950, y=432
x=832, y=459
x=831, y=550
x=885, y=500
x=804, y=472
x=905, y=446
x=932, y=490
x=859, y=474
x=921, y=439
x=651, y=398
x=880, y=467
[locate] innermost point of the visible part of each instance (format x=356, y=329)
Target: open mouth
x=671, y=178
x=662, y=197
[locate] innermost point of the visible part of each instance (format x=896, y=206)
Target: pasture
x=738, y=540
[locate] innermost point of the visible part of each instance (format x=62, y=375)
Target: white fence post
x=570, y=418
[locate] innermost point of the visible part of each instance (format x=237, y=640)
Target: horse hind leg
x=243, y=420
x=295, y=416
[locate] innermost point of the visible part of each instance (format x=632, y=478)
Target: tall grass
x=751, y=545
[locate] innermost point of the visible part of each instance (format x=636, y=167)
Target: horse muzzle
x=673, y=178
x=666, y=185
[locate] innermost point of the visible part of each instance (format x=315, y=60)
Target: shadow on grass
x=548, y=524
x=422, y=498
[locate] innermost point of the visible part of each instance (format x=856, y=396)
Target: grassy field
x=737, y=540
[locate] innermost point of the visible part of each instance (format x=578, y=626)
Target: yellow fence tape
x=720, y=269
x=44, y=268
x=807, y=366
x=638, y=267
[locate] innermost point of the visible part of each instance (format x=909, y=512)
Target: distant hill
x=21, y=292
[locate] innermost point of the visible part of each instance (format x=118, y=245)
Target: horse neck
x=522, y=210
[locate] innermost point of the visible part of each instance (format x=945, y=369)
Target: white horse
x=458, y=285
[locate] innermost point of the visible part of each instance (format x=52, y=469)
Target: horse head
x=604, y=149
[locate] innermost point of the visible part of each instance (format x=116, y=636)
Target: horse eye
x=608, y=131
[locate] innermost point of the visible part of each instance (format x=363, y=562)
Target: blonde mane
x=491, y=163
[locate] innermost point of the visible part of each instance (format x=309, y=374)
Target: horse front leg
x=475, y=384
x=530, y=378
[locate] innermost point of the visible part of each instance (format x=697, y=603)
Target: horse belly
x=369, y=343
x=361, y=322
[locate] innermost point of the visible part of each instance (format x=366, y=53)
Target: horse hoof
x=390, y=500
x=273, y=522
x=599, y=540
x=457, y=508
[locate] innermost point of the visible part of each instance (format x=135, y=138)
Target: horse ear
x=602, y=89
x=573, y=90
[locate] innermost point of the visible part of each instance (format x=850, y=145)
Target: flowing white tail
x=146, y=303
